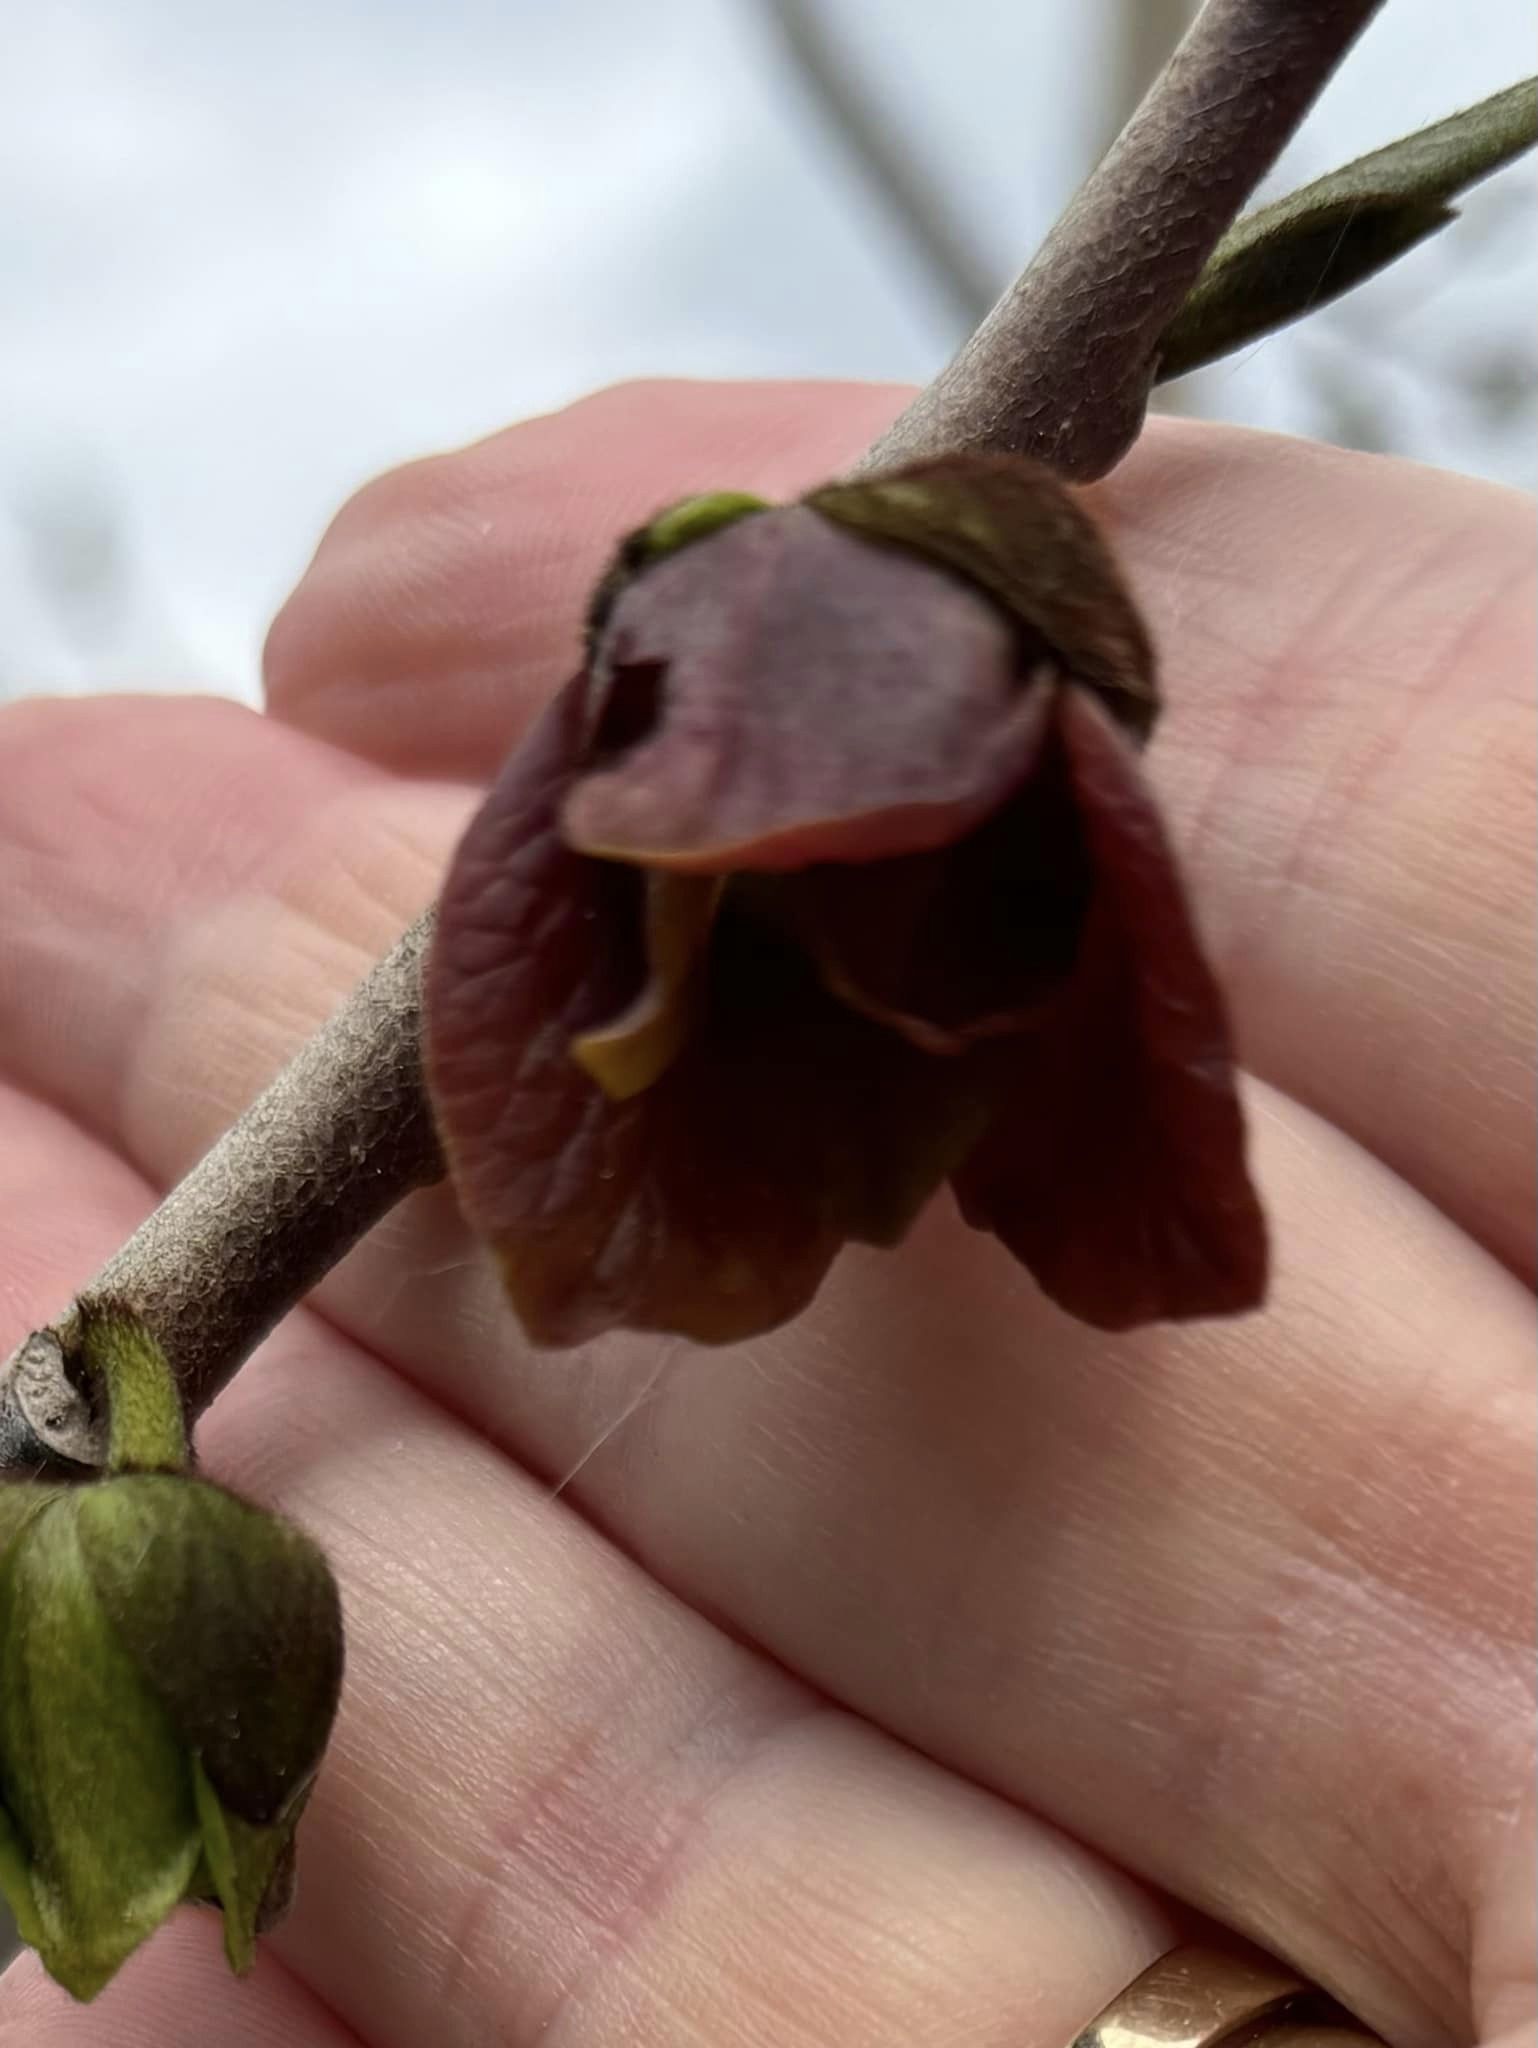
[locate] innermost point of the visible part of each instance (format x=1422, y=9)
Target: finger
x=490, y=553
x=1248, y=1606
x=556, y=1798
x=1506, y=1984
x=129, y=829
x=1347, y=749
x=1349, y=757
x=175, y=1993
x=1351, y=1463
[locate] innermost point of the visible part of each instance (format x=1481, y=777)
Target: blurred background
x=253, y=253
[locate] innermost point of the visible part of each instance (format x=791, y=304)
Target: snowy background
x=253, y=253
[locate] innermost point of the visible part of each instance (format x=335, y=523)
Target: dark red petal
x=1020, y=533
x=963, y=943
x=1116, y=1169
x=535, y=945
x=712, y=1203
x=787, y=1126
x=821, y=698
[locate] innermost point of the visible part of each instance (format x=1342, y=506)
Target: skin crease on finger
x=1434, y=1494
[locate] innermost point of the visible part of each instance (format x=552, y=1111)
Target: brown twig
x=1061, y=367
x=1146, y=33
x=340, y=1136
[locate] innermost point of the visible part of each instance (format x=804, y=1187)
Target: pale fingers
x=1289, y=1552
x=486, y=558
x=558, y=1804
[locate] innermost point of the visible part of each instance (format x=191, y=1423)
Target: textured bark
x=338, y=1138
x=1062, y=367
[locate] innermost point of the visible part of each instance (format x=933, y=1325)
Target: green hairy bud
x=170, y=1663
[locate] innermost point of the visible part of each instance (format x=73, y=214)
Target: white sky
x=254, y=252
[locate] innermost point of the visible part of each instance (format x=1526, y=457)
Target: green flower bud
x=170, y=1663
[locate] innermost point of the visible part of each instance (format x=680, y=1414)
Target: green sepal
x=231, y=1618
x=242, y=1866
x=16, y=1883
x=21, y=1501
x=102, y=1819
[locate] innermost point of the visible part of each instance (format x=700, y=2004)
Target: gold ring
x=1218, y=1998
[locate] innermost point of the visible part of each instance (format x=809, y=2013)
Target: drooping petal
x=965, y=942
x=815, y=697
x=787, y=1126
x=535, y=946
x=711, y=1203
x=1116, y=1169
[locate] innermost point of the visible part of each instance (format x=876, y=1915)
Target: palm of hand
x=889, y=1679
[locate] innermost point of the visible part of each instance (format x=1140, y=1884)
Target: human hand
x=904, y=1676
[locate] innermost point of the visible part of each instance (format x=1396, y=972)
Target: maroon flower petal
x=712, y=1203
x=1115, y=1170
x=815, y=697
x=786, y=1127
x=962, y=943
x=534, y=946
x=1014, y=529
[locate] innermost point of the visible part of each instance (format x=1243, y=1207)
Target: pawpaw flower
x=833, y=877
